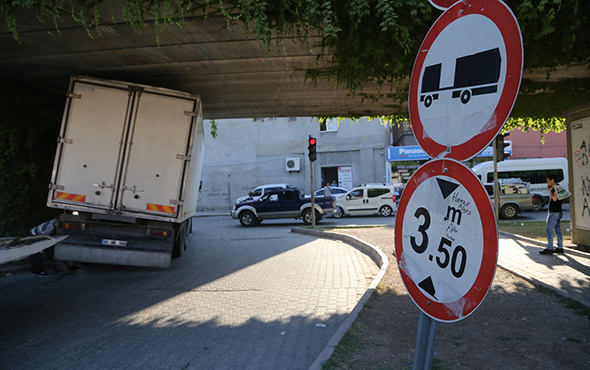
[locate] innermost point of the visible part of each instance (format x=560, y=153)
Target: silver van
x=367, y=199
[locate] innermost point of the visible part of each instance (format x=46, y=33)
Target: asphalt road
x=249, y=298
x=240, y=298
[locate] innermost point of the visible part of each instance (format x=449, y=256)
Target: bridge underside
x=235, y=74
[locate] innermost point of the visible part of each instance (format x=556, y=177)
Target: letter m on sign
x=453, y=213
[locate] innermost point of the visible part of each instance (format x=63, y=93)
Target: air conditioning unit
x=292, y=164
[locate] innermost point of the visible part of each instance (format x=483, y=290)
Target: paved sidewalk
x=568, y=274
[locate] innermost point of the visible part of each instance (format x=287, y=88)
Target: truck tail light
x=66, y=225
x=159, y=232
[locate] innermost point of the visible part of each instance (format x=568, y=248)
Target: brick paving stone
x=239, y=298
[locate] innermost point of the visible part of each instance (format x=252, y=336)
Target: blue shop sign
x=415, y=153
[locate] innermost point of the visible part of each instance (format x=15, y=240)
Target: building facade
x=247, y=153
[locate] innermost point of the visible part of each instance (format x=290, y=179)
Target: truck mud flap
x=77, y=253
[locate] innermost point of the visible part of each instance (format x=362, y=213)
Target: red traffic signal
x=311, y=148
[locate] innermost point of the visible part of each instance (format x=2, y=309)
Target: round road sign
x=442, y=4
x=465, y=79
x=446, y=240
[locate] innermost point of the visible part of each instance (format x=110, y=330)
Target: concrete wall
x=248, y=153
x=578, y=142
x=529, y=145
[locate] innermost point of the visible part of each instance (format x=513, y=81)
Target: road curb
x=380, y=260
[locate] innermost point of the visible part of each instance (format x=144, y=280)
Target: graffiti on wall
x=581, y=172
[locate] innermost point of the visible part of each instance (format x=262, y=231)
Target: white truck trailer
x=127, y=172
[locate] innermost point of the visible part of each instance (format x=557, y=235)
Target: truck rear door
x=154, y=169
x=123, y=149
x=89, y=146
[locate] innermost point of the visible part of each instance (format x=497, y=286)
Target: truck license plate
x=118, y=243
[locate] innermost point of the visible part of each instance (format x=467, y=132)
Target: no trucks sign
x=466, y=78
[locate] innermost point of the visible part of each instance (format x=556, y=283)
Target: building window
x=329, y=125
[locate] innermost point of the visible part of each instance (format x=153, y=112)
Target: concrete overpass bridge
x=235, y=74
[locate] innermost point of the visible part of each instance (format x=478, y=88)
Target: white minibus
x=533, y=171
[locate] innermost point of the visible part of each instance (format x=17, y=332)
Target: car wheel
x=338, y=212
x=538, y=204
x=307, y=217
x=509, y=211
x=247, y=219
x=385, y=211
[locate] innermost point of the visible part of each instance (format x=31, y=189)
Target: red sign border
x=499, y=13
x=442, y=5
x=476, y=294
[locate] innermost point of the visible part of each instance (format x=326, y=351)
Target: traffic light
x=501, y=145
x=311, y=148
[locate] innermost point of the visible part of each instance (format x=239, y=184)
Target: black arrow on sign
x=428, y=286
x=446, y=187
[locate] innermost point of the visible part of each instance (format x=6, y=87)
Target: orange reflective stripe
x=69, y=196
x=159, y=208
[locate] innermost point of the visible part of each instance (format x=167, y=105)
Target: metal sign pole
x=312, y=197
x=424, y=343
x=496, y=184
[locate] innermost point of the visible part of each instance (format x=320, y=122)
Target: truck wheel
x=181, y=241
x=509, y=211
x=306, y=216
x=465, y=96
x=338, y=212
x=385, y=211
x=538, y=204
x=428, y=101
x=247, y=219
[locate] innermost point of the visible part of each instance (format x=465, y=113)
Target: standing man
x=327, y=190
x=554, y=216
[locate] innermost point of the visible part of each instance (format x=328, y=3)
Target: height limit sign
x=446, y=240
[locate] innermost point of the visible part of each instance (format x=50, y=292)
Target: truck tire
x=509, y=211
x=465, y=96
x=538, y=204
x=181, y=239
x=338, y=212
x=385, y=211
x=248, y=219
x=306, y=216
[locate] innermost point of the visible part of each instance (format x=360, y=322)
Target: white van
x=533, y=171
x=367, y=199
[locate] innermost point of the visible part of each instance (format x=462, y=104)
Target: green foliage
x=213, y=129
x=364, y=42
x=29, y=127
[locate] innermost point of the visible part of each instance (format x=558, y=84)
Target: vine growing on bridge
x=364, y=42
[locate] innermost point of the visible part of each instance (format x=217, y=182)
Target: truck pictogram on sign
x=475, y=74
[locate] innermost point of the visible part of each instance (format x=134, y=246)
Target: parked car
x=260, y=191
x=283, y=203
x=337, y=192
x=514, y=198
x=367, y=199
